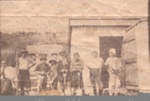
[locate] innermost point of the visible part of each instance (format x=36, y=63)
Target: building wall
x=136, y=53
x=141, y=34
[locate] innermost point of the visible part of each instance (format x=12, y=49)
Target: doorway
x=105, y=43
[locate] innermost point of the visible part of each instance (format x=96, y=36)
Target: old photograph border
x=140, y=97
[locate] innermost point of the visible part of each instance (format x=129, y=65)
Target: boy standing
x=42, y=70
x=77, y=66
x=63, y=70
x=9, y=75
x=24, y=74
x=114, y=66
x=95, y=65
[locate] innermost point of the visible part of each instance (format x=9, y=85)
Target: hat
x=95, y=52
x=112, y=50
x=23, y=51
x=54, y=54
x=53, y=61
x=76, y=53
x=43, y=58
x=32, y=54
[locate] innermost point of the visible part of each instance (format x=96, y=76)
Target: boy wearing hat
x=42, y=70
x=114, y=65
x=53, y=62
x=54, y=70
x=24, y=74
x=54, y=56
x=63, y=69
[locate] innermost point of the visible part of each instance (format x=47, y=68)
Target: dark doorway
x=107, y=42
x=110, y=42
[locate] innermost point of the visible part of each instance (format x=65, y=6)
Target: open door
x=107, y=42
x=130, y=61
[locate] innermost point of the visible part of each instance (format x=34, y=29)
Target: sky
x=75, y=7
x=53, y=15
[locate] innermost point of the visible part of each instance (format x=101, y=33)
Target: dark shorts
x=95, y=77
x=24, y=79
x=43, y=81
x=60, y=77
x=63, y=81
x=76, y=79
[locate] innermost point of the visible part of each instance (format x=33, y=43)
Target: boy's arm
x=37, y=69
x=33, y=64
x=101, y=64
x=107, y=64
x=59, y=67
x=119, y=65
x=48, y=69
x=2, y=72
x=71, y=65
x=82, y=65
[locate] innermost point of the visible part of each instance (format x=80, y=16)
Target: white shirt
x=23, y=63
x=95, y=63
x=64, y=61
x=2, y=68
x=114, y=63
x=10, y=72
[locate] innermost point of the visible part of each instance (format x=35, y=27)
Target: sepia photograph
x=63, y=51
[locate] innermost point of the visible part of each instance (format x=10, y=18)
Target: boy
x=9, y=75
x=24, y=74
x=77, y=66
x=42, y=70
x=63, y=71
x=114, y=66
x=95, y=65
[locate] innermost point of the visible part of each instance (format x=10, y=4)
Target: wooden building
x=128, y=35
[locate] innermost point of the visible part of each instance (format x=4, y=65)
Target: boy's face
x=76, y=57
x=63, y=56
x=3, y=64
x=111, y=54
x=43, y=60
x=54, y=56
x=24, y=55
x=53, y=63
x=33, y=57
x=94, y=54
